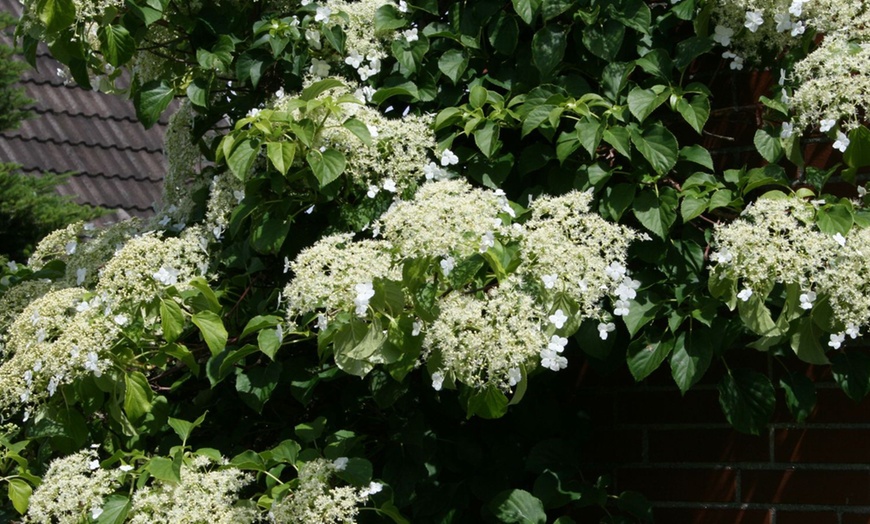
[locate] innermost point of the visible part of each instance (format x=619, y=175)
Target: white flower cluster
x=205, y=494
x=316, y=498
x=365, y=47
x=746, y=27
x=72, y=491
x=776, y=241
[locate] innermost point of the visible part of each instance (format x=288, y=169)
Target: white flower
x=434, y=172
x=319, y=68
x=340, y=463
x=81, y=273
x=374, y=487
x=783, y=74
x=416, y=327
x=552, y=360
x=253, y=113
x=862, y=191
x=239, y=195
x=798, y=29
x=604, y=329
x=557, y=343
x=54, y=382
x=403, y=6
x=487, y=241
x=796, y=7
x=286, y=264
x=96, y=512
x=373, y=191
x=70, y=247
x=389, y=185
x=94, y=464
x=783, y=22
x=437, y=381
x=558, y=319
x=125, y=468
x=723, y=256
x=745, y=294
x=807, y=299
x=627, y=289
x=322, y=322
x=447, y=265
x=514, y=376
x=723, y=35
x=753, y=20
x=615, y=271
x=621, y=308
x=787, y=130
x=827, y=125
x=837, y=340
x=354, y=59
x=448, y=158
x=280, y=92
x=842, y=142
x=322, y=14
x=83, y=306
x=373, y=130
x=13, y=266
x=550, y=280
x=840, y=239
x=121, y=319
x=168, y=276
x=364, y=293
x=312, y=36
x=411, y=35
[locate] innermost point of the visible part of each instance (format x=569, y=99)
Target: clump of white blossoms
x=206, y=493
x=53, y=342
x=72, y=491
x=365, y=47
x=327, y=274
x=317, y=498
x=480, y=338
x=447, y=217
x=777, y=241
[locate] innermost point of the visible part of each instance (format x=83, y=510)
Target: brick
x=811, y=445
x=833, y=406
x=706, y=445
x=669, y=407
x=711, y=516
x=679, y=485
x=806, y=487
x=807, y=517
x=613, y=446
x=855, y=518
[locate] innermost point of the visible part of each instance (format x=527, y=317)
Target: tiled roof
x=116, y=162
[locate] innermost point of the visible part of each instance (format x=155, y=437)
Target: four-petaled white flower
x=837, y=340
x=558, y=319
x=403, y=6
x=312, y=36
x=340, y=464
x=125, y=468
x=722, y=35
x=753, y=20
x=364, y=293
x=121, y=319
x=70, y=247
x=94, y=464
x=807, y=299
x=96, y=511
x=550, y=280
x=374, y=487
x=487, y=241
x=373, y=191
x=354, y=60
x=842, y=142
x=286, y=264
x=437, y=380
x=447, y=265
x=322, y=14
x=853, y=331
x=787, y=130
x=615, y=271
x=736, y=61
x=416, y=327
x=840, y=239
x=783, y=22
x=411, y=35
x=322, y=322
x=319, y=68
x=722, y=256
x=621, y=308
x=448, y=158
x=514, y=376
x=796, y=7
x=745, y=294
x=389, y=185
x=12, y=265
x=605, y=328
x=827, y=125
x=798, y=29
x=168, y=276
x=239, y=195
x=81, y=273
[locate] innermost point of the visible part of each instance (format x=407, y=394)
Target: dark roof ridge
x=80, y=174
x=97, y=116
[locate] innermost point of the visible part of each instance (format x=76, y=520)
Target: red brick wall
x=682, y=454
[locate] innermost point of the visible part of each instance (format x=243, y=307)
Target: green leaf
x=536, y=117
x=695, y=111
x=453, y=63
x=477, y=97
x=691, y=358
x=851, y=370
x=805, y=343
x=57, y=15
x=657, y=63
x=617, y=199
x=317, y=88
x=645, y=356
x=800, y=395
x=620, y=138
x=327, y=166
x=138, y=396
x=657, y=214
x=504, y=34
x=184, y=428
x=255, y=385
x=242, y=157
x=115, y=509
x=281, y=154
x=359, y=129
x=642, y=102
x=835, y=218
x=488, y=402
x=269, y=342
x=756, y=316
x=220, y=57
x=768, y=146
x=249, y=460
x=486, y=138
x=548, y=49
x=388, y=18
x=171, y=319
x=588, y=132
x=697, y=154
x=150, y=100
x=517, y=506
x=747, y=398
x=357, y=471
x=213, y=331
x=691, y=48
x=657, y=145
x=527, y=9
x=640, y=314
x=858, y=152
x=635, y=504
x=250, y=67
x=692, y=207
x=268, y=236
x=604, y=41
x=206, y=293
x=165, y=469
x=199, y=92
x=310, y=431
x=116, y=44
x=19, y=494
